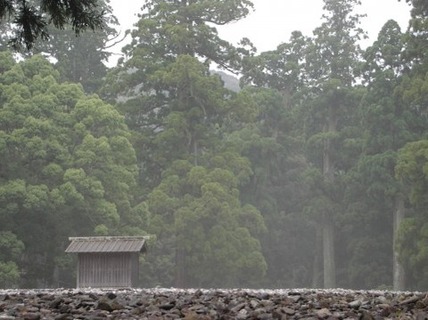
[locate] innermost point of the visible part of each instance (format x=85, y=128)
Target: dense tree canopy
x=31, y=18
x=179, y=112
x=312, y=174
x=67, y=169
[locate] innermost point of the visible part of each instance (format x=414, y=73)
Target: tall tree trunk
x=328, y=226
x=180, y=273
x=179, y=268
x=195, y=152
x=328, y=254
x=316, y=269
x=398, y=270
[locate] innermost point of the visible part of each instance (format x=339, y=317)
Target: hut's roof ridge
x=107, y=244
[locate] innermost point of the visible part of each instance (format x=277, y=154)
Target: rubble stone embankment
x=198, y=304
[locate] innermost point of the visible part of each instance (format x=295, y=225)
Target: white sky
x=273, y=20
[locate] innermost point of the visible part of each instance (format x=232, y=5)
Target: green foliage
x=186, y=28
x=199, y=208
x=31, y=21
x=280, y=69
x=9, y=274
x=68, y=167
x=81, y=59
x=413, y=251
x=10, y=246
x=236, y=188
x=182, y=116
x=11, y=249
x=412, y=169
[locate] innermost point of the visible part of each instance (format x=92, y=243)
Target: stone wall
x=211, y=304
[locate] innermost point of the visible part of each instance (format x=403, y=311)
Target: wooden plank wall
x=135, y=269
x=108, y=270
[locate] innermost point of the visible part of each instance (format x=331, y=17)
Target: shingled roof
x=106, y=244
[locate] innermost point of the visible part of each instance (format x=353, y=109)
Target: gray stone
x=104, y=304
x=31, y=316
x=63, y=316
x=212, y=304
x=365, y=315
x=242, y=314
x=410, y=300
x=289, y=311
x=55, y=303
x=323, y=313
x=355, y=304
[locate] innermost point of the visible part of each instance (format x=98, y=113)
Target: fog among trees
x=304, y=166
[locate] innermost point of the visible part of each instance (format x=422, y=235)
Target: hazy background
x=272, y=21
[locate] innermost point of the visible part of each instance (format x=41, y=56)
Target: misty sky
x=273, y=20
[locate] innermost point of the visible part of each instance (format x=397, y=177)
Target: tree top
x=29, y=19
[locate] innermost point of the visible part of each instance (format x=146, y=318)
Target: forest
x=311, y=173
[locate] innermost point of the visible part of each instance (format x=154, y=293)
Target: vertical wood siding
x=135, y=268
x=108, y=270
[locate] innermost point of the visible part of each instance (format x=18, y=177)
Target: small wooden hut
x=107, y=262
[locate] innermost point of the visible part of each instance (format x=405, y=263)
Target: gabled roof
x=106, y=244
